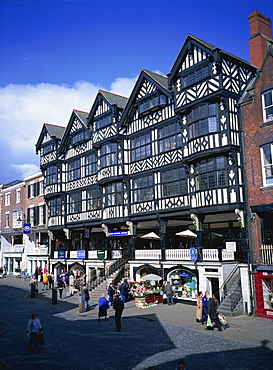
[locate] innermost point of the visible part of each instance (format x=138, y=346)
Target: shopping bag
x=209, y=323
x=41, y=338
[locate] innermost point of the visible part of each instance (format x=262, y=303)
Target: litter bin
x=32, y=290
x=81, y=302
x=54, y=296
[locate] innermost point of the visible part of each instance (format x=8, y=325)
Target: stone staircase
x=232, y=302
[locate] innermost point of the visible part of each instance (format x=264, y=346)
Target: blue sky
x=55, y=55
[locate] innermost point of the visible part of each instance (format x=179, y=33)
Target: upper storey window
x=170, y=137
x=48, y=148
x=74, y=203
x=7, y=199
x=51, y=175
x=174, y=182
x=108, y=155
x=114, y=194
x=141, y=147
x=267, y=163
x=104, y=121
x=212, y=173
x=143, y=189
x=79, y=137
x=195, y=76
x=203, y=120
x=267, y=101
x=74, y=170
x=151, y=103
x=90, y=165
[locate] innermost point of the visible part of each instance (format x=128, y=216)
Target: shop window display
x=184, y=284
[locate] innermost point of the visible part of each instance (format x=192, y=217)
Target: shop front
x=184, y=282
x=263, y=279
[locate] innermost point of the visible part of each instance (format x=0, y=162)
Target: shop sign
x=61, y=254
x=183, y=274
x=27, y=228
x=193, y=254
x=42, y=246
x=81, y=254
x=101, y=255
x=231, y=246
x=118, y=233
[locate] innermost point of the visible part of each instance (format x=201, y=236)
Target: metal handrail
x=223, y=287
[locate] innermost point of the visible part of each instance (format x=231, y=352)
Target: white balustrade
x=227, y=255
x=177, y=254
x=210, y=254
x=148, y=254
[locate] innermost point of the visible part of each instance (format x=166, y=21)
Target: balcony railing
x=16, y=248
x=266, y=254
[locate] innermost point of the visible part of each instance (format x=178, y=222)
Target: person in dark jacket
x=170, y=293
x=204, y=307
x=111, y=292
x=118, y=307
x=61, y=287
x=86, y=297
x=213, y=313
x=123, y=290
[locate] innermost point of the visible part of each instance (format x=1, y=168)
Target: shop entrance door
x=215, y=287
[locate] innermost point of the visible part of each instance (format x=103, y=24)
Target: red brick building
x=257, y=124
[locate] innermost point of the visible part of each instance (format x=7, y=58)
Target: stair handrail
x=223, y=287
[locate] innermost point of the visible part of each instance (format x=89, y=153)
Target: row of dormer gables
x=200, y=72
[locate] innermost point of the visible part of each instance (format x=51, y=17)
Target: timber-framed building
x=166, y=159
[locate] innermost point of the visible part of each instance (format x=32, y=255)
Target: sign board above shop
x=81, y=254
x=231, y=246
x=118, y=233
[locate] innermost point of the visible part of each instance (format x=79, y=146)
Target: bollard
x=32, y=290
x=54, y=296
x=81, y=302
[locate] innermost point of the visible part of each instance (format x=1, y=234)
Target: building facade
x=168, y=158
x=24, y=236
x=257, y=124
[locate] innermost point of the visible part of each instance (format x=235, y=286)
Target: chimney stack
x=260, y=36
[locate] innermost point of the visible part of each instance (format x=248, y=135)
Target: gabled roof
x=248, y=95
x=114, y=99
x=53, y=131
x=161, y=82
x=81, y=117
x=110, y=99
x=211, y=49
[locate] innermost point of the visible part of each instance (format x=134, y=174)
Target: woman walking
x=199, y=311
x=103, y=307
x=34, y=327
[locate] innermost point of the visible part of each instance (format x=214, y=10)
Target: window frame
x=169, y=140
x=143, y=189
x=267, y=107
x=74, y=203
x=203, y=122
x=93, y=199
x=109, y=155
x=174, y=184
x=74, y=170
x=141, y=147
x=114, y=194
x=270, y=165
x=210, y=173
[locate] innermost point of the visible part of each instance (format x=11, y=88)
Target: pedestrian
x=34, y=327
x=50, y=281
x=123, y=290
x=204, y=307
x=199, y=311
x=118, y=307
x=111, y=292
x=103, y=307
x=170, y=293
x=61, y=286
x=213, y=313
x=181, y=365
x=86, y=297
x=45, y=280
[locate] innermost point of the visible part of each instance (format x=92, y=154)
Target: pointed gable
x=146, y=94
x=49, y=132
x=76, y=130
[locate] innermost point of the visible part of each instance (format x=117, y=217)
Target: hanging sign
x=193, y=254
x=101, y=255
x=81, y=254
x=231, y=246
x=27, y=228
x=61, y=254
x=118, y=233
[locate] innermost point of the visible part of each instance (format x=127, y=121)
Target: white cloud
x=26, y=169
x=25, y=108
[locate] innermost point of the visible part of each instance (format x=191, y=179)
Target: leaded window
x=74, y=170
x=51, y=175
x=203, y=120
x=143, y=189
x=114, y=194
x=108, y=155
x=93, y=199
x=54, y=207
x=267, y=100
x=79, y=137
x=267, y=164
x=174, y=182
x=104, y=121
x=141, y=147
x=212, y=173
x=75, y=202
x=152, y=102
x=169, y=137
x=195, y=76
x=90, y=165
x=47, y=148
